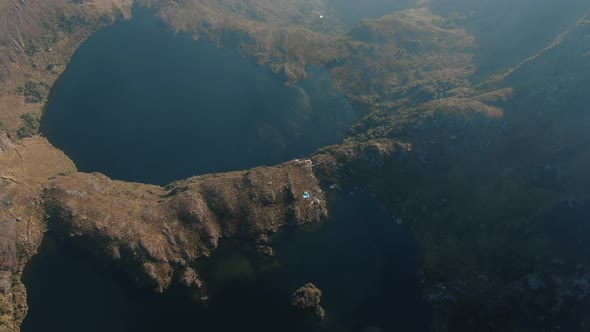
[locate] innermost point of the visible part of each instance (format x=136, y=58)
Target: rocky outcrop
x=307, y=299
x=157, y=234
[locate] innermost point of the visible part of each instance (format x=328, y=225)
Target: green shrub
x=35, y=92
x=31, y=49
x=29, y=127
x=71, y=23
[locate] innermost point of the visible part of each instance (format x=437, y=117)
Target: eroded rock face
x=155, y=234
x=307, y=298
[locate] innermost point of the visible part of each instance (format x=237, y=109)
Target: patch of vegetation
x=71, y=23
x=31, y=49
x=6, y=312
x=35, y=92
x=60, y=174
x=29, y=127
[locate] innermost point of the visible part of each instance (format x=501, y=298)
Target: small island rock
x=307, y=298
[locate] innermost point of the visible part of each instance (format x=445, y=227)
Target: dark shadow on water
x=139, y=103
x=365, y=264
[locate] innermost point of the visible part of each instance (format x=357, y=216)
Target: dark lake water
x=140, y=103
x=364, y=262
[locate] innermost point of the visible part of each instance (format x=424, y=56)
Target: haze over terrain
x=470, y=129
